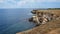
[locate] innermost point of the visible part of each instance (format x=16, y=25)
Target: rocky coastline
x=46, y=28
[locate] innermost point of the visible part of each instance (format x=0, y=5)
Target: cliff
x=52, y=27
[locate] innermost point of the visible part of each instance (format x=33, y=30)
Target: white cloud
x=22, y=3
x=47, y=0
x=1, y=1
x=51, y=0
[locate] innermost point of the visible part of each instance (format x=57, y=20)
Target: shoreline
x=45, y=28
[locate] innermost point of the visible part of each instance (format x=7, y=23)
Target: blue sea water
x=15, y=20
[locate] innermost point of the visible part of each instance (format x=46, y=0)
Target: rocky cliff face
x=52, y=27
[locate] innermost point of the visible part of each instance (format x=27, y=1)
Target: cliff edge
x=52, y=27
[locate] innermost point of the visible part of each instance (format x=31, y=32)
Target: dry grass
x=48, y=28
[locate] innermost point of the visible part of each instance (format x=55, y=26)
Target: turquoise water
x=15, y=20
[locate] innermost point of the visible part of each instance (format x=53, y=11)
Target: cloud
x=23, y=3
x=1, y=0
x=33, y=3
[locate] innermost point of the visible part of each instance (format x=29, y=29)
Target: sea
x=15, y=20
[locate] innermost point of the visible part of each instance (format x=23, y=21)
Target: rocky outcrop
x=52, y=27
x=43, y=16
x=44, y=29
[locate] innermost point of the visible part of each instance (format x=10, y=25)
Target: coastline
x=45, y=28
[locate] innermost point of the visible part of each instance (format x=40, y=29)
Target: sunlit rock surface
x=52, y=27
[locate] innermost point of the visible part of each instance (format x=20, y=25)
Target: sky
x=29, y=3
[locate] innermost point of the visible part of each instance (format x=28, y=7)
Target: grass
x=47, y=28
